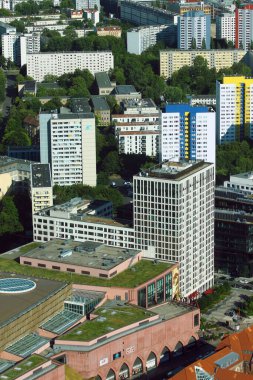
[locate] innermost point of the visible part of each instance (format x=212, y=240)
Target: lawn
x=28, y=247
x=110, y=317
x=139, y=273
x=24, y=366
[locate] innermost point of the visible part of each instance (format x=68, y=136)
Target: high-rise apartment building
x=41, y=64
x=174, y=219
x=141, y=38
x=86, y=4
x=194, y=30
x=16, y=46
x=68, y=143
x=234, y=109
x=225, y=27
x=244, y=26
x=138, y=128
x=187, y=133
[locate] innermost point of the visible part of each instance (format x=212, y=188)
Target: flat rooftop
x=16, y=305
x=143, y=103
x=172, y=310
x=41, y=176
x=138, y=274
x=174, y=170
x=86, y=254
x=21, y=368
x=80, y=105
x=125, y=89
x=110, y=317
x=10, y=164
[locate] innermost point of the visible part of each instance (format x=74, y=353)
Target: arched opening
x=165, y=355
x=151, y=361
x=111, y=375
x=124, y=372
x=191, y=342
x=137, y=366
x=178, y=350
x=98, y=377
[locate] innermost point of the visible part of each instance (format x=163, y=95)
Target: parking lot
x=233, y=302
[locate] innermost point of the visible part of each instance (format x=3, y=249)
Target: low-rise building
x=104, y=84
x=173, y=60
x=125, y=92
x=242, y=183
x=202, y=100
x=114, y=31
x=138, y=128
x=101, y=110
x=41, y=187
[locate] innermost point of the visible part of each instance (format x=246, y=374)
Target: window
x=27, y=263
x=196, y=320
x=70, y=270
x=41, y=265
x=55, y=267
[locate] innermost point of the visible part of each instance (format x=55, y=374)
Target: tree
x=193, y=43
x=2, y=85
x=212, y=45
x=230, y=45
x=19, y=25
x=9, y=218
x=27, y=8
x=203, y=46
x=251, y=45
x=173, y=94
x=111, y=163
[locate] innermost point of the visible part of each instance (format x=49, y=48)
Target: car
x=113, y=184
x=243, y=281
x=127, y=183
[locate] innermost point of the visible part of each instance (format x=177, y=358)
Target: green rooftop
x=110, y=317
x=23, y=367
x=139, y=273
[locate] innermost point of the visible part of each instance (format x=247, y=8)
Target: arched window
x=178, y=350
x=151, y=361
x=98, y=377
x=124, y=372
x=137, y=366
x=192, y=341
x=111, y=375
x=165, y=355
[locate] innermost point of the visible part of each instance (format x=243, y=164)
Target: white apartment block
x=68, y=143
x=141, y=38
x=188, y=133
x=6, y=28
x=174, y=220
x=138, y=129
x=194, y=26
x=15, y=46
x=92, y=14
x=29, y=43
x=234, y=109
x=225, y=26
x=11, y=46
x=41, y=187
x=173, y=60
x=41, y=64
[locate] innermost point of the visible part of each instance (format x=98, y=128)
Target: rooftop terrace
x=112, y=316
x=21, y=368
x=138, y=274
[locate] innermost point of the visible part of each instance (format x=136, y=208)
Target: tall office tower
x=225, y=26
x=244, y=27
x=187, y=133
x=174, y=220
x=68, y=143
x=41, y=187
x=234, y=109
x=194, y=30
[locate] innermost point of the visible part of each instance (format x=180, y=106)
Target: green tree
x=230, y=45
x=173, y=94
x=203, y=45
x=27, y=8
x=111, y=163
x=19, y=25
x=193, y=43
x=9, y=218
x=2, y=85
